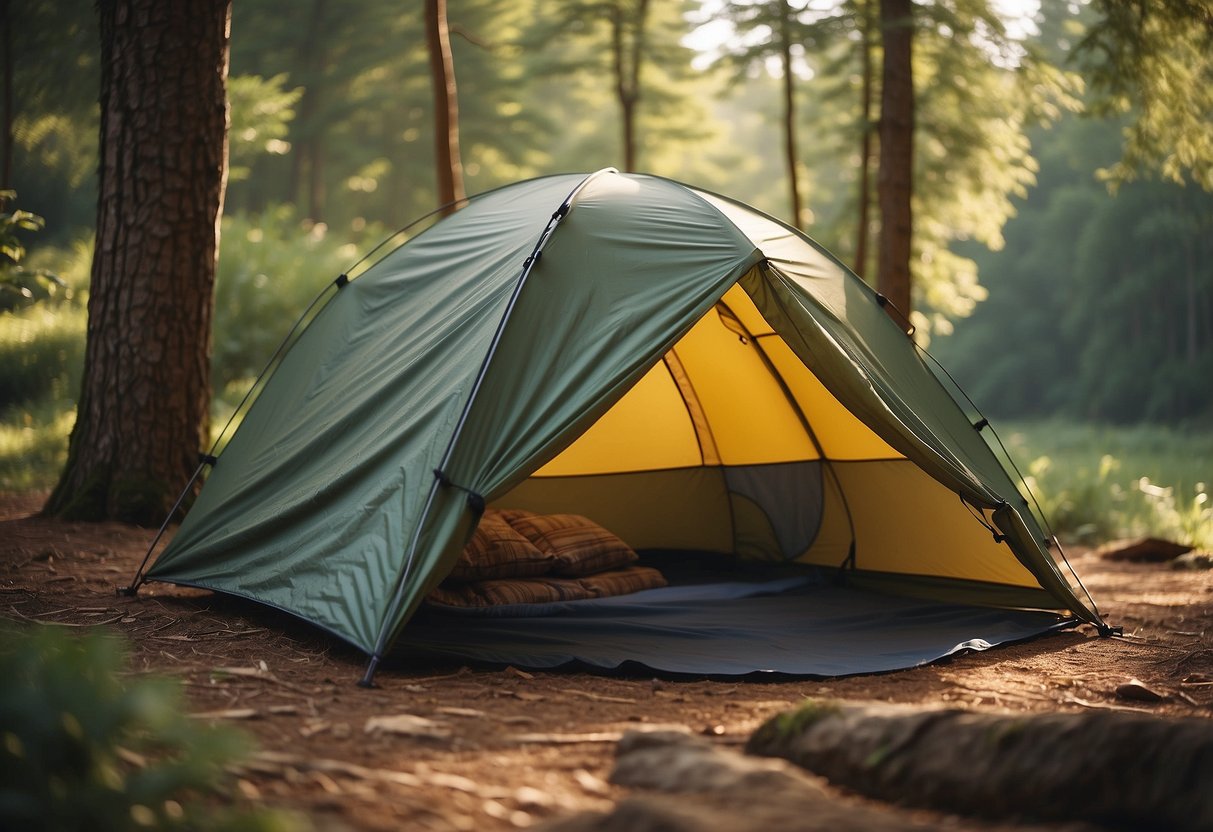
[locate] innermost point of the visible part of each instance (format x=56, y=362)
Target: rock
x=1148, y=549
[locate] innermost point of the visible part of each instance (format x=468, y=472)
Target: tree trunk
x=142, y=416
x=626, y=59
x=446, y=106
x=6, y=137
x=1047, y=767
x=894, y=183
x=789, y=110
x=865, y=147
x=306, y=187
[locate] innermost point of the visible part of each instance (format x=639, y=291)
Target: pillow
x=577, y=546
x=496, y=550
x=509, y=515
x=510, y=591
x=622, y=581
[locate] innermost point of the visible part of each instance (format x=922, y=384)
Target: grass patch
x=33, y=447
x=1097, y=483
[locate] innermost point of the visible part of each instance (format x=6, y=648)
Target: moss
x=811, y=711
x=781, y=728
x=878, y=756
x=138, y=500
x=129, y=499
x=86, y=503
x=1005, y=733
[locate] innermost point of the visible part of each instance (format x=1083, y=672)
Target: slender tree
x=790, y=151
x=895, y=178
x=142, y=415
x=865, y=140
x=448, y=166
x=307, y=162
x=6, y=127
x=785, y=32
x=628, y=21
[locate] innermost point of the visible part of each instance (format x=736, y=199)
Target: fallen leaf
x=231, y=713
x=408, y=725
x=591, y=784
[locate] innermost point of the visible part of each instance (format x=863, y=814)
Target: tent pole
x=368, y=678
x=527, y=266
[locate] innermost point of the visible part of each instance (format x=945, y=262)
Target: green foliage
x=1154, y=62
x=1100, y=308
x=55, y=52
x=20, y=286
x=83, y=750
x=1101, y=483
x=41, y=354
x=261, y=113
x=41, y=357
x=33, y=445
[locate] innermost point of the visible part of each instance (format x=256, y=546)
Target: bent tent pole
x=440, y=478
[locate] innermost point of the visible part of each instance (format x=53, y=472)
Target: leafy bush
x=21, y=286
x=41, y=354
x=81, y=750
x=1100, y=483
x=33, y=446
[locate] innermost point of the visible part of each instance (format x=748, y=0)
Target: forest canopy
x=1062, y=155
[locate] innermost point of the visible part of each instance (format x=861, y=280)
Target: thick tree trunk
x=1129, y=770
x=446, y=106
x=865, y=147
x=894, y=183
x=142, y=415
x=789, y=111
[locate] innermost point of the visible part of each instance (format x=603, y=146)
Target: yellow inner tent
x=660, y=468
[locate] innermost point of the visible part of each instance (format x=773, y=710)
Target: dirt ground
x=501, y=749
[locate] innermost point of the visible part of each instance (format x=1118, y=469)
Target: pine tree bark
x=449, y=166
x=894, y=180
x=142, y=415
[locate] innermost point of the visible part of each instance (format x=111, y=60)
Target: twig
x=598, y=697
x=1074, y=700
x=35, y=620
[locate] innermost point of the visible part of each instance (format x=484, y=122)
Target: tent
x=689, y=372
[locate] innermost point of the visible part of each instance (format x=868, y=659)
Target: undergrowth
x=1098, y=483
x=82, y=748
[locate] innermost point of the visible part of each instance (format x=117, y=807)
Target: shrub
x=81, y=750
x=1099, y=483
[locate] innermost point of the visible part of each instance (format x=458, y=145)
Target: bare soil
x=505, y=748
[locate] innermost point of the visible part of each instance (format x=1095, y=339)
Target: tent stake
x=368, y=678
